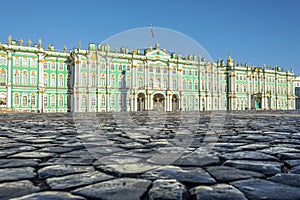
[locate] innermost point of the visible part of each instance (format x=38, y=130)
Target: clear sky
x=257, y=31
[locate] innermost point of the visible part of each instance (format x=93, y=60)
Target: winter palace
x=98, y=79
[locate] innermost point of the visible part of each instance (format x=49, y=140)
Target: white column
x=41, y=89
x=135, y=102
x=9, y=81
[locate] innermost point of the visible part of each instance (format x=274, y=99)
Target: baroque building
x=99, y=79
x=297, y=91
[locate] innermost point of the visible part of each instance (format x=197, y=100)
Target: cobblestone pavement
x=254, y=155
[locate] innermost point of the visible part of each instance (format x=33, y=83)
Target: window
x=165, y=83
x=45, y=65
x=32, y=78
x=52, y=65
x=103, y=67
x=103, y=100
x=175, y=84
x=94, y=80
x=120, y=82
x=17, y=99
x=190, y=72
x=52, y=81
x=151, y=69
x=61, y=101
x=196, y=85
x=24, y=101
x=112, y=81
x=128, y=68
x=151, y=82
x=2, y=76
x=83, y=101
x=140, y=82
x=103, y=82
x=83, y=79
x=24, y=78
x=120, y=68
x=2, y=60
x=17, y=78
x=52, y=101
x=196, y=73
x=32, y=100
x=113, y=101
x=61, y=67
x=112, y=67
x=33, y=62
x=25, y=62
x=93, y=101
x=157, y=69
x=165, y=70
x=61, y=81
x=174, y=71
x=17, y=61
x=190, y=85
x=140, y=68
x=184, y=84
x=83, y=65
x=128, y=81
x=93, y=65
x=158, y=83
x=183, y=72
x=45, y=101
x=45, y=80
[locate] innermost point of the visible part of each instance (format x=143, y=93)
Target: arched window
x=165, y=83
x=17, y=99
x=157, y=69
x=93, y=101
x=184, y=84
x=32, y=78
x=190, y=85
x=196, y=85
x=103, y=80
x=140, y=81
x=32, y=100
x=17, y=77
x=94, y=79
x=151, y=81
x=158, y=83
x=45, y=79
x=112, y=81
x=103, y=100
x=52, y=101
x=45, y=100
x=61, y=100
x=24, y=101
x=128, y=81
x=83, y=101
x=61, y=80
x=174, y=84
x=113, y=101
x=2, y=76
x=52, y=80
x=24, y=78
x=83, y=79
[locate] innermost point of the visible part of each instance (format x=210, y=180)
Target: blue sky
x=258, y=31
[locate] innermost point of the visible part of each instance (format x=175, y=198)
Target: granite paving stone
x=217, y=192
x=168, y=189
x=116, y=189
x=263, y=189
x=194, y=175
x=15, y=174
x=287, y=179
x=76, y=180
x=50, y=195
x=224, y=174
x=16, y=189
x=265, y=167
x=60, y=170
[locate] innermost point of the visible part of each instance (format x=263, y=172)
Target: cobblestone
x=253, y=155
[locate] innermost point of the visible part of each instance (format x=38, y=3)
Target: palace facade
x=99, y=79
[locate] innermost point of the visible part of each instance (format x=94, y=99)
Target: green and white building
x=99, y=79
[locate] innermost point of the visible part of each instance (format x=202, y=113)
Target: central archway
x=141, y=102
x=175, y=102
x=158, y=102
